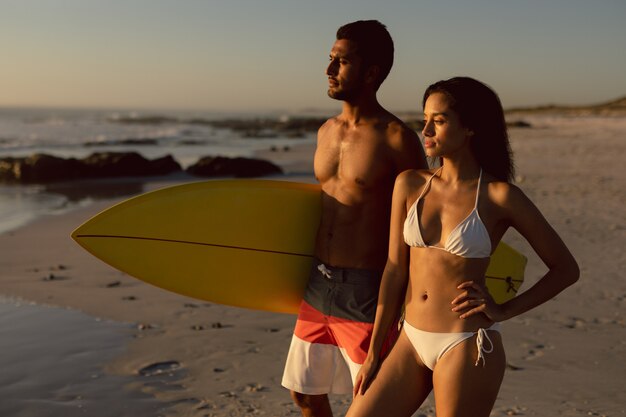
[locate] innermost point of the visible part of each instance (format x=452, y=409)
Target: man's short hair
x=373, y=42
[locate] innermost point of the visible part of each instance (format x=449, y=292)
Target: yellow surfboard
x=245, y=243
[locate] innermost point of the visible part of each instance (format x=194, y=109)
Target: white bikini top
x=469, y=239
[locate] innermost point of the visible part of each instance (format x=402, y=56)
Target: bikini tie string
x=480, y=343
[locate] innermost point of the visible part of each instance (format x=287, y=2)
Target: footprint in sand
x=216, y=325
x=53, y=277
x=219, y=325
x=159, y=368
x=515, y=411
x=576, y=323
x=535, y=352
x=512, y=367
x=255, y=388
x=205, y=404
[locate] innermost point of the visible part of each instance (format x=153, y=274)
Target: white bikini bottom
x=432, y=346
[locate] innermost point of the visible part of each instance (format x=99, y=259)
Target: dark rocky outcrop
x=127, y=164
x=39, y=168
x=219, y=166
x=125, y=142
x=291, y=127
x=268, y=128
x=42, y=168
x=519, y=124
x=145, y=120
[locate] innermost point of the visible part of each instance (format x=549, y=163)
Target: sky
x=267, y=55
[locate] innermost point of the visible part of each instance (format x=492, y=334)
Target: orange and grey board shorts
x=333, y=330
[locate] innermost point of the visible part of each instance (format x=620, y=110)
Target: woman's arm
x=526, y=218
x=392, y=286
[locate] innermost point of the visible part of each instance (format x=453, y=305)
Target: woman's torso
x=433, y=279
x=447, y=250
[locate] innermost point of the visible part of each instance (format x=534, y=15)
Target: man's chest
x=363, y=162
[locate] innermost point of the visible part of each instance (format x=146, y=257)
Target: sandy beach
x=158, y=353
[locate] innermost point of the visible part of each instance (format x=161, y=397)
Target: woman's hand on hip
x=475, y=299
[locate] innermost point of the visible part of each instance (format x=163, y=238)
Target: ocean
x=186, y=135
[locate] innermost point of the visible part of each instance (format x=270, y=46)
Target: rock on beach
x=43, y=168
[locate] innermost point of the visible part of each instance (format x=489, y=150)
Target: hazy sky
x=271, y=54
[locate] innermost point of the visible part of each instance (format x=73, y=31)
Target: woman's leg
x=403, y=382
x=463, y=389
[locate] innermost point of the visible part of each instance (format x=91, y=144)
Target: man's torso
x=356, y=168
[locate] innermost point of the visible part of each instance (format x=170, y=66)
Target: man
x=359, y=154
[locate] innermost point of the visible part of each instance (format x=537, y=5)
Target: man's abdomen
x=353, y=237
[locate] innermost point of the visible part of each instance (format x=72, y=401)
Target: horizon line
x=278, y=110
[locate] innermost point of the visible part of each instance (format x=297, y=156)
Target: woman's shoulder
x=504, y=193
x=417, y=175
x=411, y=181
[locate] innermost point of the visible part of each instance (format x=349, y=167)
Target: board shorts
x=333, y=330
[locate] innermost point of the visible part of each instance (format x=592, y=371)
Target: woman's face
x=443, y=133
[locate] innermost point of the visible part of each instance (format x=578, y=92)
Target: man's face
x=345, y=80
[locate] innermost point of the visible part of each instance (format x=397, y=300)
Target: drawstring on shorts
x=324, y=270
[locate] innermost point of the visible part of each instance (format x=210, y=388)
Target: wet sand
x=52, y=364
x=566, y=358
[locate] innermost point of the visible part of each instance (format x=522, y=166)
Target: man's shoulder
x=329, y=124
x=400, y=136
x=397, y=128
x=335, y=120
x=393, y=126
x=404, y=144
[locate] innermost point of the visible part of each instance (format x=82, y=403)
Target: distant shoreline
x=614, y=105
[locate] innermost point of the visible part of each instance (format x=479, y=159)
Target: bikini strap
x=428, y=183
x=480, y=177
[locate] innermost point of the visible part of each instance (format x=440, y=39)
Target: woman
x=445, y=224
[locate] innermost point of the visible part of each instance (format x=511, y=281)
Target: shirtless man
x=359, y=154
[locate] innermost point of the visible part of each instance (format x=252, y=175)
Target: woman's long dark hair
x=480, y=111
